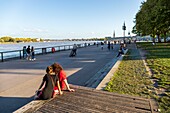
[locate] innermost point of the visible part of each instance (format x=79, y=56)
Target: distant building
x=114, y=34
x=38, y=39
x=120, y=38
x=108, y=38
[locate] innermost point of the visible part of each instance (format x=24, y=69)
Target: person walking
x=112, y=46
x=28, y=53
x=24, y=52
x=46, y=89
x=32, y=54
x=108, y=45
x=102, y=45
x=73, y=51
x=59, y=71
x=97, y=44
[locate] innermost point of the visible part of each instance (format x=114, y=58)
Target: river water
x=19, y=46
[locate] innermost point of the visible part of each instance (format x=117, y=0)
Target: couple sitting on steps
x=54, y=82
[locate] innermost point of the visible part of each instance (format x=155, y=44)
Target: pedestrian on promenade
x=121, y=51
x=111, y=45
x=115, y=42
x=108, y=45
x=102, y=45
x=59, y=71
x=28, y=53
x=97, y=44
x=24, y=52
x=85, y=44
x=46, y=89
x=74, y=51
x=32, y=54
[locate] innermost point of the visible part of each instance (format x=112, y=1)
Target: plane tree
x=153, y=19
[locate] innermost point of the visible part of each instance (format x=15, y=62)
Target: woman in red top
x=57, y=68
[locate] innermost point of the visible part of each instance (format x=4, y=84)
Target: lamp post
x=114, y=34
x=124, y=28
x=129, y=33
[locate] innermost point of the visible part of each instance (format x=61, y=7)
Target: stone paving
x=87, y=69
x=19, y=79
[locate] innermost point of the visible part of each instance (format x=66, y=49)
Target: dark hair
x=32, y=48
x=49, y=69
x=56, y=67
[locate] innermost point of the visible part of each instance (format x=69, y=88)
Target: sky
x=67, y=19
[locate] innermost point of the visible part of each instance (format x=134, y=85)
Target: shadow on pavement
x=10, y=104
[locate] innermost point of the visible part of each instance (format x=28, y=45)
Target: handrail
x=44, y=50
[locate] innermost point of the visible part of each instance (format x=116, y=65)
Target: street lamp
x=124, y=28
x=114, y=34
x=129, y=33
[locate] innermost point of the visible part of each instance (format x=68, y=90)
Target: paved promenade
x=19, y=79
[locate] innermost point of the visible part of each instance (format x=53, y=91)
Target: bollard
x=53, y=49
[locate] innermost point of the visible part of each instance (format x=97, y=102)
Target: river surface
x=19, y=46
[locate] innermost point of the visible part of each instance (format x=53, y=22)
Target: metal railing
x=18, y=54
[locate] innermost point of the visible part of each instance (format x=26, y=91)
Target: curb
x=110, y=74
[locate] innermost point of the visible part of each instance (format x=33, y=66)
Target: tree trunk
x=165, y=39
x=153, y=39
x=159, y=39
x=164, y=36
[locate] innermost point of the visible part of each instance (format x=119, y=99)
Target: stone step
x=115, y=96
x=111, y=99
x=98, y=105
x=89, y=100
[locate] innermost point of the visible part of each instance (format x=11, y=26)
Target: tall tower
x=114, y=34
x=124, y=28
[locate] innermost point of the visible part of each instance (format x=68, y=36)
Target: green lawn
x=131, y=76
x=158, y=59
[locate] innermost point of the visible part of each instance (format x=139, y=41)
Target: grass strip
x=131, y=77
x=158, y=59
